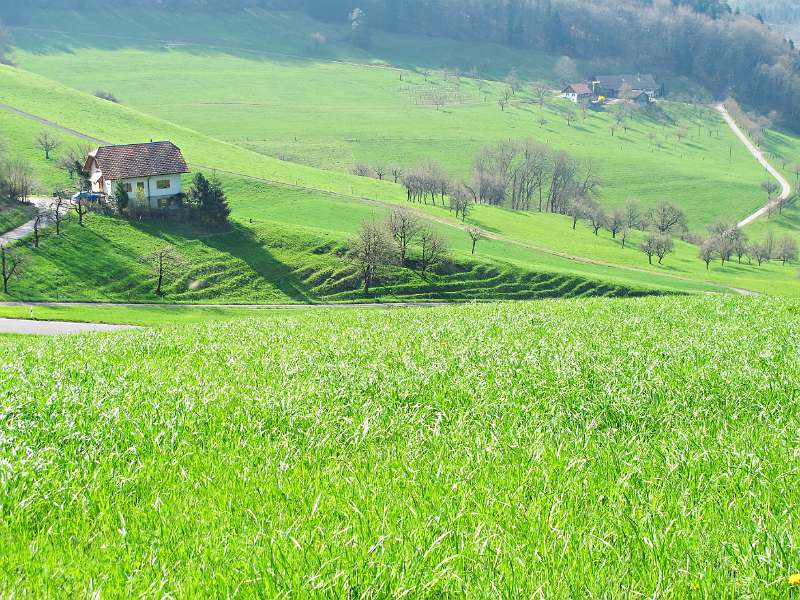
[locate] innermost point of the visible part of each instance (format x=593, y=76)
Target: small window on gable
x=128, y=187
x=163, y=184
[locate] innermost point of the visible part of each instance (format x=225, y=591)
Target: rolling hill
x=235, y=108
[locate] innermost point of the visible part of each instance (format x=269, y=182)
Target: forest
x=729, y=53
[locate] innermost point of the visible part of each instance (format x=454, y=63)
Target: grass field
x=618, y=448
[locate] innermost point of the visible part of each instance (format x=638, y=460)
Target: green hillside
x=626, y=448
x=329, y=107
x=331, y=114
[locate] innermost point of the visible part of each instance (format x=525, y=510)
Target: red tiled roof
x=140, y=160
x=579, y=88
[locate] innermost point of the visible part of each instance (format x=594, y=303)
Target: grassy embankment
x=625, y=448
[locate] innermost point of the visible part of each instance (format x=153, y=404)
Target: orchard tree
x=164, y=263
x=48, y=143
x=433, y=249
x=475, y=235
x=11, y=265
x=372, y=251
x=403, y=226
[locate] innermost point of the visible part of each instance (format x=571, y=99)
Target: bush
x=107, y=96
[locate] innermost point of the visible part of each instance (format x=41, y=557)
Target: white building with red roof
x=150, y=173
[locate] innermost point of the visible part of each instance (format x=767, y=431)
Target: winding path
x=786, y=188
x=42, y=205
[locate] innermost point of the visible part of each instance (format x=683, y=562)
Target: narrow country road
x=786, y=188
x=26, y=229
x=25, y=327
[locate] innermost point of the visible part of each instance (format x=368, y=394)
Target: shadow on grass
x=239, y=242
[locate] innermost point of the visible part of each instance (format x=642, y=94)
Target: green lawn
x=634, y=448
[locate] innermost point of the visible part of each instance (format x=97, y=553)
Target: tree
x=47, y=143
x=664, y=246
x=597, y=217
x=460, y=200
x=164, y=263
x=569, y=115
x=433, y=249
x=397, y=172
x=786, y=250
x=11, y=265
x=371, y=251
x=770, y=187
x=708, y=252
x=207, y=199
x=566, y=69
x=403, y=226
x=633, y=214
x=121, y=198
x=666, y=218
x=476, y=235
x=761, y=253
x=616, y=222
x=58, y=207
x=20, y=181
x=648, y=246
x=38, y=221
x=81, y=207
x=380, y=171
x=359, y=29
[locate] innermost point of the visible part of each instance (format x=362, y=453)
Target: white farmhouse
x=151, y=173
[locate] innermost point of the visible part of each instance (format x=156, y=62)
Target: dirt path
x=786, y=188
x=26, y=229
x=25, y=327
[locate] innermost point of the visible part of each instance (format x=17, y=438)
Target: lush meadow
x=619, y=448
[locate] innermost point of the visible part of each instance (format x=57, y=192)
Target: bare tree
x=433, y=249
x=380, y=171
x=761, y=253
x=770, y=187
x=20, y=180
x=164, y=262
x=476, y=235
x=11, y=264
x=371, y=251
x=569, y=115
x=47, y=142
x=597, y=217
x=786, y=250
x=540, y=91
x=655, y=245
x=81, y=207
x=362, y=170
x=38, y=221
x=57, y=209
x=397, y=172
x=460, y=200
x=616, y=222
x=623, y=234
x=708, y=252
x=666, y=218
x=634, y=214
x=403, y=226
x=664, y=246
x=503, y=101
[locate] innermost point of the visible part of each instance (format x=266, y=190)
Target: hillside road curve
x=786, y=188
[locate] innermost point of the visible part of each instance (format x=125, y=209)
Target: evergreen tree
x=121, y=196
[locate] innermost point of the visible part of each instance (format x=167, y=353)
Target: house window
x=163, y=184
x=128, y=187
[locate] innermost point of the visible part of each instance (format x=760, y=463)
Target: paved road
x=42, y=205
x=786, y=188
x=24, y=327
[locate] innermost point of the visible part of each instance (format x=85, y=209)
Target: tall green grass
x=640, y=448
